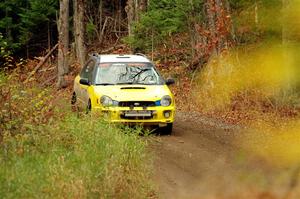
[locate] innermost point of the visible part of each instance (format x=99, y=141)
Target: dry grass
x=47, y=151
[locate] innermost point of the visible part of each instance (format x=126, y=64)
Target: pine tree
x=23, y=22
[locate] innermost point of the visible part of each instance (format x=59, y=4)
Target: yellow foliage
x=268, y=70
x=269, y=73
x=279, y=146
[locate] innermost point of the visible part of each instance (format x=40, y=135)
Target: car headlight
x=106, y=101
x=166, y=100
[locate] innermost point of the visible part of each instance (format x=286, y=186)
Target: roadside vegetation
x=50, y=152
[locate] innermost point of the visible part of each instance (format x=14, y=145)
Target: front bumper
x=159, y=115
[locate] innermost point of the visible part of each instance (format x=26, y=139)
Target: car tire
x=167, y=130
x=74, y=106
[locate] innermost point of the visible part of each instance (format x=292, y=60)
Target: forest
x=236, y=69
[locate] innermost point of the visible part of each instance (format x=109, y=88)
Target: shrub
x=162, y=19
x=74, y=158
x=51, y=153
x=5, y=53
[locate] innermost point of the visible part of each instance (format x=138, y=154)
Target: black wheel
x=167, y=130
x=89, y=107
x=73, y=102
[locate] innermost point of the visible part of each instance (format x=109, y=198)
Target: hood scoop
x=133, y=88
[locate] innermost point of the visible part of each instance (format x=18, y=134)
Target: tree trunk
x=219, y=24
x=214, y=35
x=63, y=42
x=211, y=22
x=130, y=15
x=79, y=30
x=133, y=9
x=143, y=5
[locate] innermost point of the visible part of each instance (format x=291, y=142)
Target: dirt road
x=203, y=159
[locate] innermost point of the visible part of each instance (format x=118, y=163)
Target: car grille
x=136, y=117
x=137, y=104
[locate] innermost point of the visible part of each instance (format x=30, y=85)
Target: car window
x=127, y=73
x=87, y=71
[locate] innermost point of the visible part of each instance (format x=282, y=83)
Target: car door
x=86, y=73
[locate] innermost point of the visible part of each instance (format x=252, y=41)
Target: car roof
x=123, y=58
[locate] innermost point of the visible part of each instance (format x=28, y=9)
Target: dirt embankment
x=204, y=159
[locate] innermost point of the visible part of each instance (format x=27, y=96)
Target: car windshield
x=127, y=73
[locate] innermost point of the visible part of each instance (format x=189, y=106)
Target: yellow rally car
x=125, y=89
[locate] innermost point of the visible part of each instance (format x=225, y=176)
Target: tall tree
x=130, y=15
x=25, y=24
x=63, y=42
x=134, y=8
x=143, y=5
x=80, y=29
x=218, y=24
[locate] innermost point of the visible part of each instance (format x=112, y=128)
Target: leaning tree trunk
x=63, y=42
x=79, y=29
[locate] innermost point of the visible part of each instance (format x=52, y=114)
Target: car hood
x=133, y=92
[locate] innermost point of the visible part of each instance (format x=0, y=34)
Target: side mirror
x=170, y=81
x=84, y=82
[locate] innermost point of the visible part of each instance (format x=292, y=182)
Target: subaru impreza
x=125, y=89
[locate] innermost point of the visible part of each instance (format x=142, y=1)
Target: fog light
x=167, y=114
